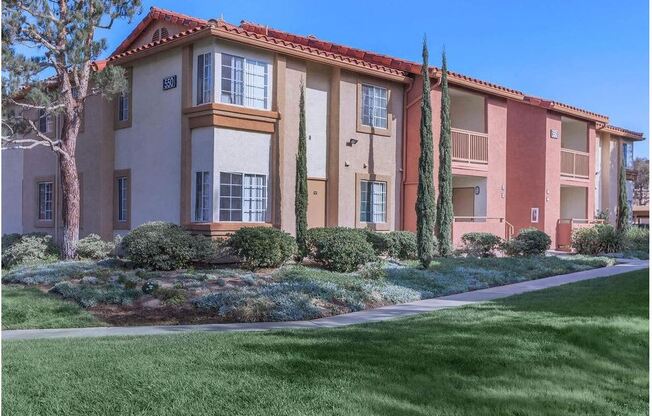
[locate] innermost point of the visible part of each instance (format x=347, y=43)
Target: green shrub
x=150, y=286
x=529, y=242
x=164, y=246
x=403, y=245
x=28, y=249
x=373, y=271
x=380, y=242
x=319, y=234
x=481, y=244
x=601, y=238
x=94, y=248
x=637, y=239
x=171, y=296
x=262, y=246
x=342, y=249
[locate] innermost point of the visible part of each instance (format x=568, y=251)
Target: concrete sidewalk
x=372, y=315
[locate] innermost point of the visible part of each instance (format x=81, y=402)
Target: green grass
x=578, y=349
x=28, y=307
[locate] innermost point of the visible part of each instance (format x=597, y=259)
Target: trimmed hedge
x=94, y=248
x=28, y=249
x=162, y=245
x=529, y=242
x=403, y=244
x=601, y=238
x=262, y=246
x=341, y=249
x=481, y=244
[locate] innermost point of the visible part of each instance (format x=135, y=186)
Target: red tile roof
x=623, y=132
x=325, y=49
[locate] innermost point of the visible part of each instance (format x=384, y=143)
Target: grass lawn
x=578, y=349
x=28, y=307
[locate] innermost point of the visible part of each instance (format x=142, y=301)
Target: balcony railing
x=574, y=164
x=470, y=146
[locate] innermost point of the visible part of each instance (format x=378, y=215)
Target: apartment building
x=207, y=137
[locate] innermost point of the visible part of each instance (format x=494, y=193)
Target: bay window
x=202, y=196
x=204, y=78
x=373, y=201
x=243, y=197
x=244, y=82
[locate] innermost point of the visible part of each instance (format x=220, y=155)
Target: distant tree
x=444, y=224
x=642, y=182
x=55, y=80
x=425, y=205
x=622, y=221
x=301, y=191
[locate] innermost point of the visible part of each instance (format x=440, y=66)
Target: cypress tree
x=301, y=187
x=622, y=222
x=444, y=223
x=425, y=205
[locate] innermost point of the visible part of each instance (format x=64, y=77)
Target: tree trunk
x=71, y=206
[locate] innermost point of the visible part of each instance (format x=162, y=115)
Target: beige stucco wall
x=317, y=95
x=12, y=190
x=151, y=146
x=372, y=154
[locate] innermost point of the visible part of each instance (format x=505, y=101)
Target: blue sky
x=590, y=54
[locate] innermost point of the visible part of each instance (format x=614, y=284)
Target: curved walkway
x=371, y=315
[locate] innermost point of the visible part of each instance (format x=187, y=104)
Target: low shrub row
x=529, y=242
x=605, y=239
x=28, y=249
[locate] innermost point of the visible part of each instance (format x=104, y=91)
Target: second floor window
x=45, y=122
x=628, y=154
x=373, y=201
x=244, y=82
x=123, y=106
x=204, y=78
x=374, y=106
x=202, y=196
x=45, y=201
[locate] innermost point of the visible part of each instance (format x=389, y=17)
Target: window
x=45, y=122
x=243, y=197
x=202, y=196
x=628, y=154
x=244, y=82
x=122, y=184
x=374, y=106
x=204, y=78
x=45, y=201
x=373, y=201
x=534, y=215
x=123, y=106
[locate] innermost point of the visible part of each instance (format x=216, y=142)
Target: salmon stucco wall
x=526, y=152
x=551, y=213
x=497, y=171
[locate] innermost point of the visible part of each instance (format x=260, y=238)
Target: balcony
x=574, y=164
x=470, y=146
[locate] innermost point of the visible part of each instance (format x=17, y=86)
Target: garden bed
x=117, y=295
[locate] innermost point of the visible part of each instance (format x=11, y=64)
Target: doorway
x=316, y=203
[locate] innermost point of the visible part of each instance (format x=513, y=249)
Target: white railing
x=469, y=146
x=574, y=164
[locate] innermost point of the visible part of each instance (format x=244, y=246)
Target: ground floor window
x=243, y=197
x=373, y=201
x=123, y=187
x=202, y=196
x=122, y=199
x=45, y=201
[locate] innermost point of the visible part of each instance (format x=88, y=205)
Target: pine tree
x=425, y=205
x=56, y=78
x=301, y=187
x=622, y=222
x=444, y=223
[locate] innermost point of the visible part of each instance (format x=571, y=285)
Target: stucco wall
x=12, y=191
x=574, y=134
x=202, y=150
x=151, y=146
x=37, y=163
x=317, y=95
x=467, y=110
x=372, y=154
x=480, y=199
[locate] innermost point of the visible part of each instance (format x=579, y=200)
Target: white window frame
x=45, y=201
x=239, y=73
x=123, y=211
x=204, y=80
x=373, y=211
x=203, y=196
x=247, y=209
x=534, y=215
x=375, y=106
